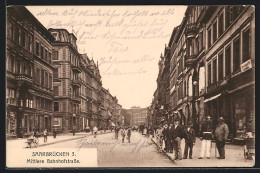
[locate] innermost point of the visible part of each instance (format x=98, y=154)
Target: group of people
x=169, y=137
x=125, y=132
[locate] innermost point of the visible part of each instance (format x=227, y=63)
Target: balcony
x=24, y=78
x=190, y=30
x=190, y=59
x=76, y=98
x=76, y=68
x=76, y=82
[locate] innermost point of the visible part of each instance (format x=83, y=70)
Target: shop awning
x=113, y=124
x=212, y=98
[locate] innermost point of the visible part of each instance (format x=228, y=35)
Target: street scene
x=142, y=86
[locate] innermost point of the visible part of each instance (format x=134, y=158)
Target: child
x=190, y=139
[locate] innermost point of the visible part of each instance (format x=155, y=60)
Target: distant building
x=137, y=115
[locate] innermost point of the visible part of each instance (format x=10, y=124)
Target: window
x=37, y=76
x=246, y=45
x=45, y=55
x=209, y=73
x=11, y=64
x=209, y=38
x=29, y=70
x=17, y=35
x=220, y=25
x=228, y=60
x=220, y=66
x=42, y=77
x=23, y=39
x=30, y=43
x=236, y=54
x=49, y=58
x=27, y=102
x=55, y=55
x=46, y=80
x=214, y=70
x=214, y=30
x=64, y=54
x=55, y=73
x=56, y=90
x=50, y=81
x=56, y=106
x=37, y=49
x=42, y=52
x=232, y=12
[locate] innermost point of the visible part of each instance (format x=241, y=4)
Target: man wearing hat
x=170, y=139
x=165, y=135
x=206, y=137
x=177, y=135
x=190, y=139
x=221, y=135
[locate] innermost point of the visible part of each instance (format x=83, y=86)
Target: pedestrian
x=34, y=131
x=54, y=134
x=116, y=132
x=45, y=134
x=190, y=139
x=170, y=138
x=123, y=132
x=165, y=137
x=206, y=137
x=177, y=135
x=128, y=134
x=221, y=135
x=95, y=130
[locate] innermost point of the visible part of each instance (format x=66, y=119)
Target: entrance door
x=19, y=125
x=46, y=122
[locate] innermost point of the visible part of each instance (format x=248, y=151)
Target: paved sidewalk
x=234, y=157
x=21, y=142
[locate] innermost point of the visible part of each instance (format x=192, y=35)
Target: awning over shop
x=113, y=124
x=212, y=98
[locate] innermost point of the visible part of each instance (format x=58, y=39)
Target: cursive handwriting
x=137, y=146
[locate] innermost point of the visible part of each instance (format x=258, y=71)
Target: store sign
x=246, y=66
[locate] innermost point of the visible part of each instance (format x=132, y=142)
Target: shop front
x=243, y=111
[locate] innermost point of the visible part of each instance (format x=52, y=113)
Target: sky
x=126, y=41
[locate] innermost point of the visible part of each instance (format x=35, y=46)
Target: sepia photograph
x=95, y=86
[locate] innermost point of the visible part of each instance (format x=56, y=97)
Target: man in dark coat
x=165, y=136
x=177, y=135
x=116, y=131
x=128, y=134
x=170, y=137
x=206, y=137
x=221, y=135
x=190, y=139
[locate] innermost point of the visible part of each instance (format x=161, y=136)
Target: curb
x=65, y=140
x=164, y=153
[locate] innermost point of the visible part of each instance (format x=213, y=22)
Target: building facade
x=29, y=74
x=137, y=115
x=212, y=66
x=49, y=83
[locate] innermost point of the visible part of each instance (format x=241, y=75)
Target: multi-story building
x=230, y=65
x=86, y=92
x=212, y=66
x=96, y=95
x=137, y=115
x=66, y=86
x=29, y=73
